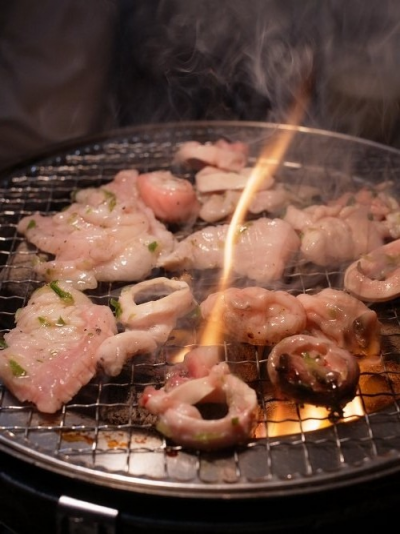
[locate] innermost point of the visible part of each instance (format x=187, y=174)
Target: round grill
x=102, y=436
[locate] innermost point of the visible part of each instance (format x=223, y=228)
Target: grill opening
x=104, y=436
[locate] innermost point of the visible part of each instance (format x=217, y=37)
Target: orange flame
x=289, y=418
x=267, y=164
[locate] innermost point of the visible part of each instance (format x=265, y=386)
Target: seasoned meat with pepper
x=53, y=350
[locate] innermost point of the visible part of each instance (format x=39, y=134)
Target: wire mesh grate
x=103, y=435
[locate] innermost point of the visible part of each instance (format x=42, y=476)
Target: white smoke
x=245, y=59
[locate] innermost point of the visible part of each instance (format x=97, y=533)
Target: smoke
x=215, y=60
x=245, y=60
x=359, y=60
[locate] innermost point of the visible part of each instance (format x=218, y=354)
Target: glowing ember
x=288, y=418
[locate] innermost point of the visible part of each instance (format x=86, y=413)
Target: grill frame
x=337, y=456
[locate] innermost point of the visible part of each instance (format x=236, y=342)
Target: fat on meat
x=179, y=417
x=328, y=242
x=172, y=199
x=107, y=234
x=344, y=319
x=367, y=233
x=53, y=350
x=332, y=234
x=211, y=179
x=217, y=206
x=147, y=312
x=220, y=154
x=254, y=315
x=378, y=200
x=262, y=250
x=375, y=277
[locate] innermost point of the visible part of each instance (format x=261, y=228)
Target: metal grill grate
x=102, y=435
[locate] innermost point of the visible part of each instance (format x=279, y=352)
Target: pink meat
x=221, y=154
x=180, y=420
x=343, y=319
x=262, y=249
x=52, y=351
x=108, y=234
x=172, y=199
x=255, y=315
x=375, y=277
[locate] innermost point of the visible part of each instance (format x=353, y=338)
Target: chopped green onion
x=152, y=246
x=43, y=321
x=32, y=224
x=16, y=369
x=111, y=199
x=3, y=344
x=64, y=295
x=117, y=307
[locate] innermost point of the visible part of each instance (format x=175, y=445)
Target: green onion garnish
x=64, y=295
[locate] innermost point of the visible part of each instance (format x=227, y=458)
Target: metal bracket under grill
x=81, y=517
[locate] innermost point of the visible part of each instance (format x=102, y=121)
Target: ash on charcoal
x=128, y=412
x=119, y=400
x=242, y=359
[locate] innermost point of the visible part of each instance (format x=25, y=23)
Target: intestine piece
x=254, y=315
x=262, y=250
x=344, y=319
x=179, y=415
x=147, y=313
x=314, y=370
x=375, y=277
x=220, y=154
x=172, y=199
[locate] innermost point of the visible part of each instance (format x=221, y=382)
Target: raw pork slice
x=108, y=234
x=52, y=351
x=262, y=250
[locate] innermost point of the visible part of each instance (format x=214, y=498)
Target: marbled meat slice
x=108, y=234
x=263, y=248
x=52, y=351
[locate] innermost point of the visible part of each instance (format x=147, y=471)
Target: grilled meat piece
x=314, y=370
